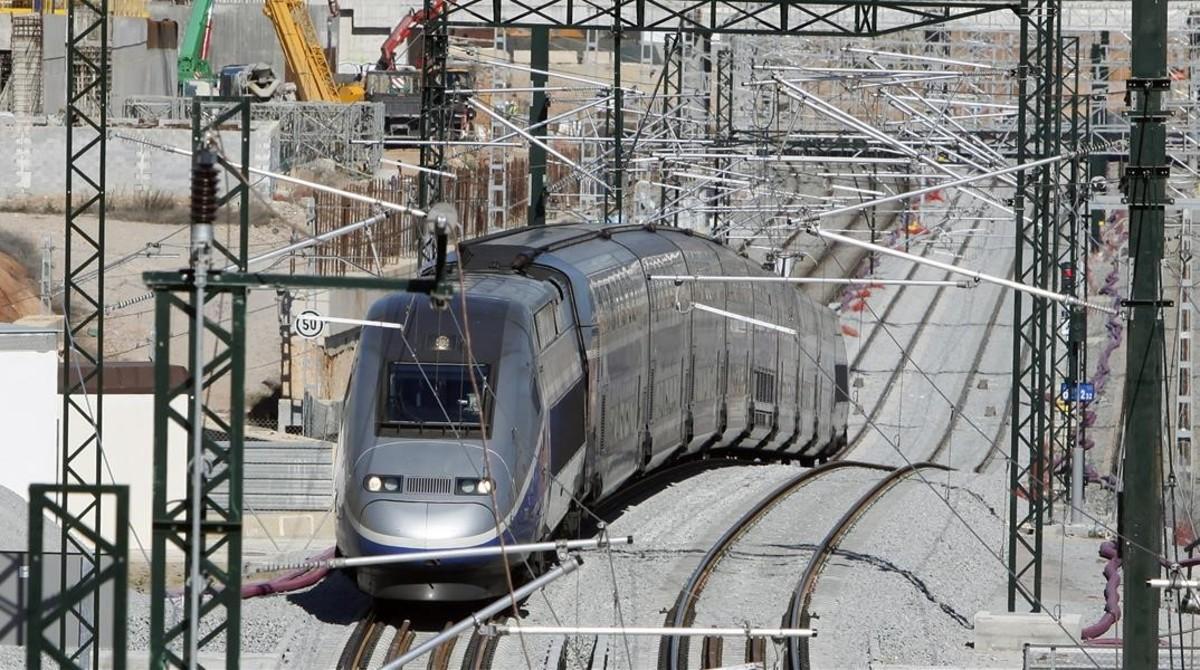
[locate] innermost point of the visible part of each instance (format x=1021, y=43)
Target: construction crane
x=398, y=86
x=304, y=55
x=403, y=33
x=195, y=72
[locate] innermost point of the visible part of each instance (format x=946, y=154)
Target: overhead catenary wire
x=978, y=276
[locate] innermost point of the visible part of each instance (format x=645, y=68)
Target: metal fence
x=399, y=236
x=287, y=476
x=350, y=134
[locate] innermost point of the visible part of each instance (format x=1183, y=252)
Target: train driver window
x=443, y=394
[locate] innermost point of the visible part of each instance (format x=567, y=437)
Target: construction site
x=598, y=335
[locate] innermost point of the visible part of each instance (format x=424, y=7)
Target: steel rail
x=673, y=650
x=798, y=615
x=481, y=649
x=362, y=641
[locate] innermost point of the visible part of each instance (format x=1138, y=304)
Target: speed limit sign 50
x=308, y=324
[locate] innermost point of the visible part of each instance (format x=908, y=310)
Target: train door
x=571, y=321
x=666, y=341
x=704, y=396
x=738, y=349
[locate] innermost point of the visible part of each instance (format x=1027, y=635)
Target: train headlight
x=470, y=486
x=377, y=483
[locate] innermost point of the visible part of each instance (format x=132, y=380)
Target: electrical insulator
x=204, y=187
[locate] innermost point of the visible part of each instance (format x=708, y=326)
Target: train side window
x=564, y=316
x=544, y=322
x=841, y=376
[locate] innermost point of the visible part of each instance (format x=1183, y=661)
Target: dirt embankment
x=18, y=291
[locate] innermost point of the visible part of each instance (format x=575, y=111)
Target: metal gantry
x=205, y=527
x=829, y=18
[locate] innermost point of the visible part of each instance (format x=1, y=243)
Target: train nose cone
x=424, y=525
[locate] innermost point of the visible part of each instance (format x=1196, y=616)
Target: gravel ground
x=12, y=657
x=671, y=530
x=322, y=620
x=267, y=622
x=910, y=577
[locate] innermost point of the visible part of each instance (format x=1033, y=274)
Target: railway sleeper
x=440, y=658
x=711, y=651
x=756, y=650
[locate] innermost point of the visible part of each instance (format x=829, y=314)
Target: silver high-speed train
x=585, y=374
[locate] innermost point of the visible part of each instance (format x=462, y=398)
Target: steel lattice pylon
x=1071, y=217
x=110, y=569
x=83, y=310
x=1037, y=106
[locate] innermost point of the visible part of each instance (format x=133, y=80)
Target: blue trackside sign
x=1081, y=392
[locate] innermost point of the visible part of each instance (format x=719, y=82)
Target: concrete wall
x=5, y=32
x=365, y=24
x=136, y=70
x=38, y=164
x=128, y=436
x=241, y=32
x=28, y=410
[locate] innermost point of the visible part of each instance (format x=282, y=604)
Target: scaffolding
x=22, y=94
x=351, y=135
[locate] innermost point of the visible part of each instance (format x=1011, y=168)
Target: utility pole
x=1146, y=172
x=539, y=61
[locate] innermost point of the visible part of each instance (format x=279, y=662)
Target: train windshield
x=420, y=394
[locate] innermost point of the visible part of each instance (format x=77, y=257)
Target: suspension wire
x=487, y=462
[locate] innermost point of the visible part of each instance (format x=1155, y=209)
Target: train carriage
x=560, y=373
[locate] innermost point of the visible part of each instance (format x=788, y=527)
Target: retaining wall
x=36, y=166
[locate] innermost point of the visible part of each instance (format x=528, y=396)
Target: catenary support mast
x=1140, y=507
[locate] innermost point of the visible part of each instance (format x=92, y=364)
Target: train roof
x=515, y=248
x=516, y=289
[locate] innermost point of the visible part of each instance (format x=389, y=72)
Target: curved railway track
x=958, y=404
x=970, y=382
x=673, y=651
x=798, y=615
x=907, y=349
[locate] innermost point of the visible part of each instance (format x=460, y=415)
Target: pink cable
x=291, y=581
x=1112, y=592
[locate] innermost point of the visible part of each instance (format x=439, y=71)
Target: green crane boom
x=193, y=51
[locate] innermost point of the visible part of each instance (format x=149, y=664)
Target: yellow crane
x=304, y=55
